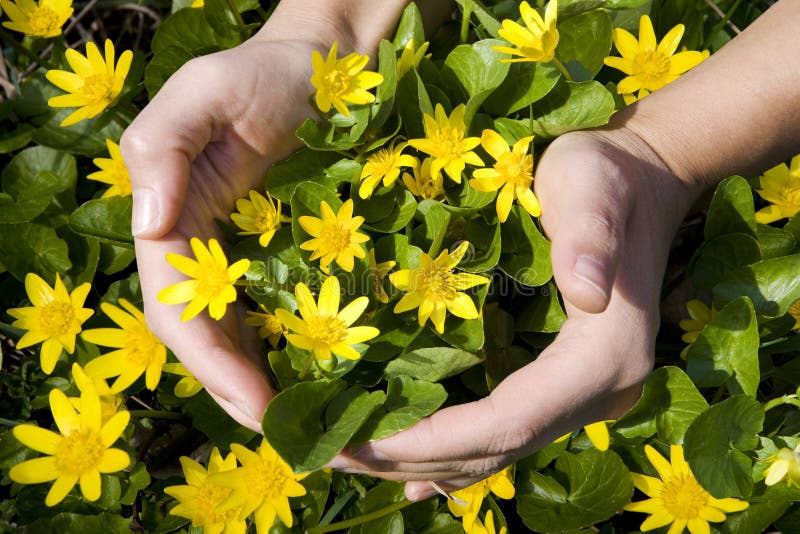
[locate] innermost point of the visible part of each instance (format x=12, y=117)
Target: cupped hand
x=204, y=141
x=610, y=206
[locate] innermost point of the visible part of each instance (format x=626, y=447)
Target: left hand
x=621, y=209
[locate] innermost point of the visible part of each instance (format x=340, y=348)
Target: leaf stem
x=786, y=399
x=366, y=518
x=8, y=422
x=561, y=68
x=465, y=22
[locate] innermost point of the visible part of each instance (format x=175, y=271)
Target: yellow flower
x=537, y=42
x=378, y=272
x=213, y=280
x=197, y=3
x=410, y=57
x=78, y=454
x=110, y=402
x=262, y=485
x=794, y=311
x=700, y=315
x=487, y=527
x=445, y=142
x=597, y=434
x=324, y=329
x=269, y=326
x=42, y=20
x=780, y=186
x=784, y=464
x=383, y=164
x=335, y=236
x=188, y=386
x=676, y=498
x=512, y=174
x=435, y=289
x=342, y=81
x=200, y=499
x=466, y=503
x=94, y=85
x=139, y=350
x=423, y=183
x=55, y=318
x=259, y=216
x=113, y=172
x=650, y=66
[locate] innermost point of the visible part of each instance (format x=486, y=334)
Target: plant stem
x=786, y=399
x=465, y=22
x=562, y=69
x=10, y=331
x=372, y=516
x=157, y=414
x=8, y=422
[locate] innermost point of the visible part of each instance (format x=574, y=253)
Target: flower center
x=56, y=318
x=96, y=87
x=142, y=345
x=335, y=236
x=208, y=497
x=43, y=20
x=266, y=220
x=437, y=283
x=516, y=168
x=212, y=282
x=325, y=330
x=683, y=497
x=80, y=451
x=652, y=69
x=790, y=195
x=268, y=479
x=338, y=82
x=449, y=143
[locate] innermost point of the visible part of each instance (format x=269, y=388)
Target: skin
x=630, y=185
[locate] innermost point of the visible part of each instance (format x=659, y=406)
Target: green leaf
x=720, y=255
x=714, y=442
x=384, y=93
x=33, y=248
x=757, y=518
x=524, y=84
x=775, y=242
x=572, y=106
x=187, y=29
x=476, y=66
x=113, y=259
x=311, y=422
x=221, y=18
x=19, y=137
x=430, y=234
x=163, y=65
x=467, y=334
x=589, y=487
x=103, y=523
x=401, y=213
x=668, y=405
x=543, y=312
x=432, y=364
x=106, y=219
x=325, y=137
x=407, y=401
x=726, y=351
x=211, y=420
x=526, y=252
x=484, y=252
x=772, y=285
x=304, y=165
x=395, y=334
x=484, y=16
x=583, y=42
x=138, y=479
x=312, y=504
x=571, y=8
x=731, y=210
x=21, y=177
x=410, y=27
x=412, y=101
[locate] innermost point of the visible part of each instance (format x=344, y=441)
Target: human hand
x=607, y=198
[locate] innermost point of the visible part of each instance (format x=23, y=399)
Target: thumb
x=158, y=149
x=586, y=202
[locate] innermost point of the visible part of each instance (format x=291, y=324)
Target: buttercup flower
x=201, y=498
x=794, y=311
x=700, y=315
x=139, y=350
x=780, y=186
x=784, y=464
x=342, y=81
x=110, y=402
x=262, y=485
x=188, y=386
x=383, y=164
x=79, y=453
x=335, y=236
x=259, y=216
x=467, y=502
x=324, y=329
x=676, y=498
x=55, y=318
x=487, y=527
x=512, y=174
x=44, y=19
x=95, y=83
x=650, y=66
x=213, y=280
x=269, y=326
x=597, y=434
x=536, y=41
x=435, y=289
x=423, y=184
x=445, y=142
x=113, y=172
x=378, y=272
x=410, y=57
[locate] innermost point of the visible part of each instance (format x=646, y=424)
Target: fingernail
x=591, y=271
x=145, y=212
x=368, y=454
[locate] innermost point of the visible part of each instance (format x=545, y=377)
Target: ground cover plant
x=393, y=265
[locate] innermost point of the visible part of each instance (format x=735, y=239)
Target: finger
x=225, y=369
x=158, y=149
x=585, y=209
